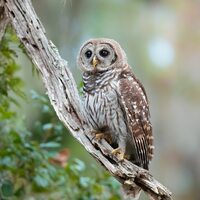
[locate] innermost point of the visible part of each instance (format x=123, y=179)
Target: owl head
x=100, y=55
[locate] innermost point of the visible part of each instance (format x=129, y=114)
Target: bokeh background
x=162, y=42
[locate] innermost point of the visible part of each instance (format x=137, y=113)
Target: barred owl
x=115, y=101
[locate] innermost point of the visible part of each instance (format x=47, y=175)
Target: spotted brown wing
x=134, y=103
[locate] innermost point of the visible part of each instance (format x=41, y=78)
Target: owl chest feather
x=103, y=109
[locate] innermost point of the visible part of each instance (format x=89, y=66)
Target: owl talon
x=119, y=153
x=99, y=136
x=121, y=157
x=115, y=151
x=94, y=132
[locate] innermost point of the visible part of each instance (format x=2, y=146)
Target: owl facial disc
x=101, y=54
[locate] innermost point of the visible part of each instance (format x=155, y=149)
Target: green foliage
x=26, y=167
x=9, y=82
x=101, y=186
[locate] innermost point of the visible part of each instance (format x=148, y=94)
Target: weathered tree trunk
x=63, y=94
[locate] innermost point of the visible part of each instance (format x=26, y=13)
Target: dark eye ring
x=88, y=53
x=104, y=53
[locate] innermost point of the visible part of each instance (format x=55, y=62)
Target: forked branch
x=63, y=94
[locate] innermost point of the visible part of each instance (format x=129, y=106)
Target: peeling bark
x=63, y=94
x=3, y=20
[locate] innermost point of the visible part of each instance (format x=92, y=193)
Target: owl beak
x=95, y=61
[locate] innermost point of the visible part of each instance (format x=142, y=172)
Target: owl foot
x=119, y=153
x=99, y=136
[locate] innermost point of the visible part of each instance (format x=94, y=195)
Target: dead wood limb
x=63, y=94
x=3, y=20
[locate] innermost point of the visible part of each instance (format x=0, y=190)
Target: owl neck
x=94, y=81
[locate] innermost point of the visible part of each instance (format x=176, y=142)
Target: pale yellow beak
x=95, y=61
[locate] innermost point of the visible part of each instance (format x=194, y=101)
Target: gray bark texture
x=63, y=94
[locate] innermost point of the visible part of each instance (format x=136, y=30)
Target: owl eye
x=88, y=53
x=104, y=53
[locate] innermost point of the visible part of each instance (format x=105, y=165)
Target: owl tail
x=133, y=193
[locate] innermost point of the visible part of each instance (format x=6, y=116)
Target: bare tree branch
x=3, y=20
x=63, y=94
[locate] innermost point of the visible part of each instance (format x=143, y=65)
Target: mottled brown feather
x=135, y=105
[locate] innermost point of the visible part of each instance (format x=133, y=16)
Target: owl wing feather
x=134, y=103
